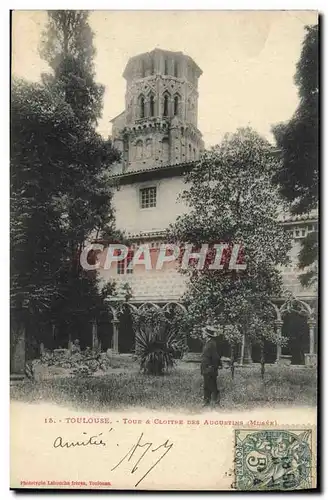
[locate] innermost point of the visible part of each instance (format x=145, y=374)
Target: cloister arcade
x=295, y=319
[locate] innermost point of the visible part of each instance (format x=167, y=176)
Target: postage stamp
x=278, y=459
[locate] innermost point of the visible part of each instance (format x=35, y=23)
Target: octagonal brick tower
x=159, y=124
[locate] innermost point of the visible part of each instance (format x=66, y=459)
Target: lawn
x=126, y=387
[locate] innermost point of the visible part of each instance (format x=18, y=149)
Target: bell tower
x=159, y=124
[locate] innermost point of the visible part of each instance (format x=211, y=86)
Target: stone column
x=170, y=107
x=242, y=351
x=147, y=106
x=311, y=324
x=42, y=350
x=115, y=323
x=17, y=350
x=156, y=107
x=310, y=358
x=95, y=342
x=278, y=324
x=248, y=352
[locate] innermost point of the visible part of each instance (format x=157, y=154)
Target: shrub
x=81, y=363
x=83, y=371
x=158, y=342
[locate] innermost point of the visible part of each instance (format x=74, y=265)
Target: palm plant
x=158, y=342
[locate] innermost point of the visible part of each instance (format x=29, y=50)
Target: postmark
x=273, y=459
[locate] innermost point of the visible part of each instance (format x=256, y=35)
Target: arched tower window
x=139, y=150
x=151, y=105
x=176, y=68
x=176, y=105
x=141, y=107
x=166, y=105
x=189, y=152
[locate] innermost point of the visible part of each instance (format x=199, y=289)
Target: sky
x=248, y=60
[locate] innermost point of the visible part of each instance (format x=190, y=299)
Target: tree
x=232, y=201
x=36, y=148
x=298, y=140
x=67, y=46
x=85, y=198
x=41, y=263
x=308, y=259
x=58, y=161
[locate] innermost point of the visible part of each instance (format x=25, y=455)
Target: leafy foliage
x=59, y=201
x=67, y=46
x=298, y=140
x=308, y=259
x=231, y=200
x=80, y=363
x=36, y=116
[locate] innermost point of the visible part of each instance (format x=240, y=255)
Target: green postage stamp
x=274, y=459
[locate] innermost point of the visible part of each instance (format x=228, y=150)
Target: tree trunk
x=17, y=347
x=232, y=362
x=262, y=362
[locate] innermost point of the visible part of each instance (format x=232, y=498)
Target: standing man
x=209, y=366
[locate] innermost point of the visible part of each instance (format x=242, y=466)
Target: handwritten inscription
x=146, y=447
x=136, y=454
x=60, y=442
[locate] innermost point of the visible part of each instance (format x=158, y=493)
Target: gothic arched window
x=166, y=105
x=189, y=151
x=176, y=105
x=139, y=150
x=142, y=107
x=151, y=106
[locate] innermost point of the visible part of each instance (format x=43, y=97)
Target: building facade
x=159, y=141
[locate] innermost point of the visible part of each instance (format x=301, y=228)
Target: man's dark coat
x=210, y=359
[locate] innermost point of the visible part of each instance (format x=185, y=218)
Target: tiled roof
x=166, y=167
x=298, y=218
x=146, y=234
x=154, y=169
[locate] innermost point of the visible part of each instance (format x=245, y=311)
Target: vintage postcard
x=164, y=250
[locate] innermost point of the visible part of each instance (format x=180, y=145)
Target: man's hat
x=210, y=331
